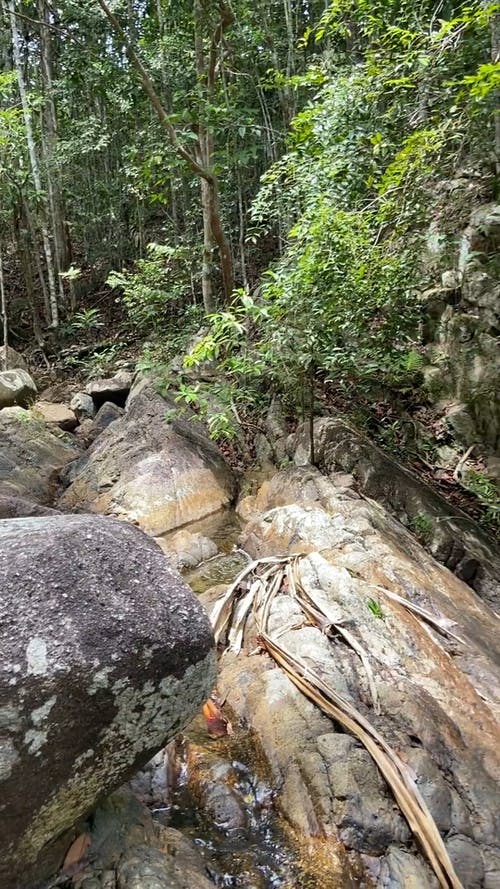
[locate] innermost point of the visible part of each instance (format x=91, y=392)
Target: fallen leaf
x=76, y=852
x=217, y=724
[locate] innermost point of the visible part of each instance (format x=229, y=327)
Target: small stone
x=83, y=406
x=55, y=414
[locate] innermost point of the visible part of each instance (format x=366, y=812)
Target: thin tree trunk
x=241, y=213
x=25, y=250
x=35, y=168
x=5, y=322
x=50, y=141
x=203, y=172
x=30, y=240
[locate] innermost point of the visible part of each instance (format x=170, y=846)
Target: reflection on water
x=224, y=528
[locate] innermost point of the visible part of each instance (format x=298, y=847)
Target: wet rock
x=16, y=388
x=215, y=786
x=129, y=851
x=439, y=699
x=158, y=474
x=15, y=360
x=115, y=389
x=187, y=550
x=105, y=655
x=401, y=870
x=83, y=406
x=452, y=537
x=151, y=784
x=30, y=456
x=55, y=415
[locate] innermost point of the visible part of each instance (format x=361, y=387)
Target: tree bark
x=5, y=322
x=35, y=167
x=200, y=167
x=50, y=142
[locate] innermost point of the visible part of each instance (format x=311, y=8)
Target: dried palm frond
x=253, y=592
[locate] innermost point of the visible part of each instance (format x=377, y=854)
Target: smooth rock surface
x=16, y=388
x=454, y=539
x=31, y=456
x=187, y=550
x=55, y=415
x=158, y=474
x=15, y=360
x=105, y=655
x=439, y=699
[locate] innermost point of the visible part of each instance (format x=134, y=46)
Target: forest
x=267, y=173
x=249, y=444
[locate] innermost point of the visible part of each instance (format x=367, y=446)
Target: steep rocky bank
x=317, y=796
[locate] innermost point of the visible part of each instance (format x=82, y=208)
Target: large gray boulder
x=16, y=387
x=157, y=473
x=31, y=456
x=105, y=655
x=14, y=359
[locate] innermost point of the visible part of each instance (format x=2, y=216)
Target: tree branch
x=226, y=20
x=150, y=91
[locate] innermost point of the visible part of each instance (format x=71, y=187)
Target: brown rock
x=439, y=699
x=160, y=475
x=55, y=415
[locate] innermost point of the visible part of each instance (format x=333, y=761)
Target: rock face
x=463, y=316
x=12, y=507
x=15, y=361
x=452, y=537
x=161, y=475
x=187, y=550
x=16, y=388
x=439, y=698
x=30, y=456
x=105, y=654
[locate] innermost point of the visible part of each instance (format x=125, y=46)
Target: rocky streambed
x=285, y=796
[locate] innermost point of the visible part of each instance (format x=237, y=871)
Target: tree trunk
x=50, y=143
x=3, y=307
x=202, y=169
x=35, y=168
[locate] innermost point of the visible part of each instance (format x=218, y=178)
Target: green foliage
x=487, y=492
x=86, y=320
x=421, y=525
x=214, y=405
x=395, y=108
x=375, y=608
x=153, y=287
